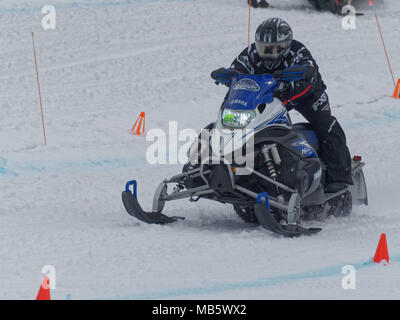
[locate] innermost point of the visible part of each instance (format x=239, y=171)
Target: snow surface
x=109, y=60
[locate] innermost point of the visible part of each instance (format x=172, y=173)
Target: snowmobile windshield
x=272, y=51
x=237, y=119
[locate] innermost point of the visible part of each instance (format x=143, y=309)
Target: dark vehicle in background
x=335, y=6
x=258, y=3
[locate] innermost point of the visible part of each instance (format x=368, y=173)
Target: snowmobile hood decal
x=304, y=147
x=246, y=84
x=248, y=91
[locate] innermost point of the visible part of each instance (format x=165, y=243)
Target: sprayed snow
x=110, y=60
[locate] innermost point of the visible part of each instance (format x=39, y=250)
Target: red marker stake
x=248, y=38
x=384, y=47
x=38, y=84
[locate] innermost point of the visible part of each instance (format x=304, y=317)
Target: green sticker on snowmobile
x=229, y=118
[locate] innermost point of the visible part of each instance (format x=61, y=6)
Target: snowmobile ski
x=134, y=209
x=267, y=221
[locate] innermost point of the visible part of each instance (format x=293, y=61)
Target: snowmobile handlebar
x=292, y=73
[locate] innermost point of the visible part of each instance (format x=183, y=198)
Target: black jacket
x=307, y=90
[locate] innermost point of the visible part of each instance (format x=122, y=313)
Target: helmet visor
x=273, y=50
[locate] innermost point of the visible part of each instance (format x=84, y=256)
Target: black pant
x=333, y=150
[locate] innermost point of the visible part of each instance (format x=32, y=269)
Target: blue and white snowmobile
x=284, y=184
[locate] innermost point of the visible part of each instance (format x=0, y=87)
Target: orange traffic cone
x=44, y=291
x=382, y=250
x=139, y=130
x=396, y=93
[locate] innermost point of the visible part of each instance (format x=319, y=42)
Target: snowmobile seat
x=309, y=134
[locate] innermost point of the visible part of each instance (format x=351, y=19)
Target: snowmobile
x=284, y=186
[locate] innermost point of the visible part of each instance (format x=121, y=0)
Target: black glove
x=283, y=90
x=223, y=75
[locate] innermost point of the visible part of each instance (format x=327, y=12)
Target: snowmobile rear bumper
x=359, y=188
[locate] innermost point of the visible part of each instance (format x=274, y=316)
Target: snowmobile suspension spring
x=275, y=155
x=269, y=163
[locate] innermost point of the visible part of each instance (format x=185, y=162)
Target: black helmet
x=273, y=41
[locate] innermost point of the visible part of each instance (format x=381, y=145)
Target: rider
x=275, y=49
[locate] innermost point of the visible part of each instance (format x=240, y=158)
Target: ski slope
x=109, y=60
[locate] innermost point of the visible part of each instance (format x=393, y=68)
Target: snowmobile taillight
x=357, y=158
